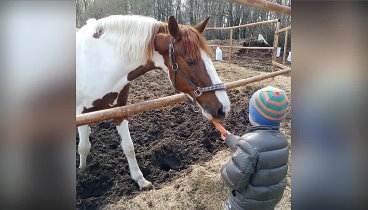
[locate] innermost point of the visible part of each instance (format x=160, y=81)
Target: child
x=257, y=170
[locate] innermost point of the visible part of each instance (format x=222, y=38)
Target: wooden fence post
x=285, y=46
x=231, y=45
x=275, y=44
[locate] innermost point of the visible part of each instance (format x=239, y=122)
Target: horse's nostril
x=220, y=113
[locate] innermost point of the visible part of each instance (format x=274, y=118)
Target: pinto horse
x=115, y=50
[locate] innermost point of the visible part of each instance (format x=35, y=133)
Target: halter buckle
x=195, y=108
x=198, y=91
x=175, y=66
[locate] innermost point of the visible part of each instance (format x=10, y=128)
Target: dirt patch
x=168, y=141
x=193, y=189
x=199, y=187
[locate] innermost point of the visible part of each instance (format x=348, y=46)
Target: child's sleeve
x=238, y=170
x=231, y=141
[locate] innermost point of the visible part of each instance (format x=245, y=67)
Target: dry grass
x=200, y=187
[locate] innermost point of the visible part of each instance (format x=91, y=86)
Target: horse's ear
x=202, y=25
x=162, y=42
x=174, y=28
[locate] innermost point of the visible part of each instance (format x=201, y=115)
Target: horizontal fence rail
x=283, y=29
x=238, y=47
x=128, y=110
x=245, y=25
x=267, y=5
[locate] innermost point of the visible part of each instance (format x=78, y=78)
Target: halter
x=197, y=90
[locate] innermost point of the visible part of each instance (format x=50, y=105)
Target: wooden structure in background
x=277, y=21
x=275, y=44
x=267, y=5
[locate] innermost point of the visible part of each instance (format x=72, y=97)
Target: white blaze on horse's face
x=220, y=94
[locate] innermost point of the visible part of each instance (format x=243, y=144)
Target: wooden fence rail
x=128, y=110
x=238, y=47
x=267, y=5
x=245, y=25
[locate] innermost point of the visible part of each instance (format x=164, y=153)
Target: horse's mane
x=132, y=36
x=193, y=41
x=129, y=35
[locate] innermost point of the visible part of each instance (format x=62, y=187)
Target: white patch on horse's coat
x=159, y=61
x=220, y=94
x=91, y=21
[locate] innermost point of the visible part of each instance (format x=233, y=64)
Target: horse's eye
x=191, y=62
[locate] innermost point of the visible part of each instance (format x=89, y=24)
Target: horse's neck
x=156, y=63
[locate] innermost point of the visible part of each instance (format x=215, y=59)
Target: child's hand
x=223, y=137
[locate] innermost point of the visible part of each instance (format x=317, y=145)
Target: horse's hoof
x=81, y=168
x=146, y=185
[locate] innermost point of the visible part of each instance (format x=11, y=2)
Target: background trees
x=222, y=13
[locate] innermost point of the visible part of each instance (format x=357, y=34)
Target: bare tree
x=222, y=12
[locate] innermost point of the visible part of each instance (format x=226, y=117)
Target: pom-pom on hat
x=268, y=106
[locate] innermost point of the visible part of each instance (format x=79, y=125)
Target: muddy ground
x=171, y=144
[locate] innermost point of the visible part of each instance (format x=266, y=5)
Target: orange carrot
x=219, y=127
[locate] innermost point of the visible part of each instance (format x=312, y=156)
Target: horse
x=113, y=51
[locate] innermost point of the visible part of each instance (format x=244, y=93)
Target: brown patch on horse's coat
x=102, y=103
x=122, y=101
x=107, y=102
x=140, y=70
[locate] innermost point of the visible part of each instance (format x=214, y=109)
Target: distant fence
x=277, y=21
x=275, y=41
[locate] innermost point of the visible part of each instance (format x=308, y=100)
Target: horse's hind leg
x=84, y=145
x=127, y=145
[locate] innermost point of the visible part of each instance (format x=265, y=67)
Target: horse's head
x=191, y=71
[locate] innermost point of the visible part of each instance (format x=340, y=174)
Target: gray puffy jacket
x=257, y=170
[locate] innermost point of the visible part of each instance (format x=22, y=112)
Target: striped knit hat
x=268, y=106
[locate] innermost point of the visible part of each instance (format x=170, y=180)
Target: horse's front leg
x=84, y=145
x=128, y=147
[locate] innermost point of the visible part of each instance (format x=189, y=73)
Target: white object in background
x=289, y=57
x=278, y=52
x=261, y=38
x=218, y=54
